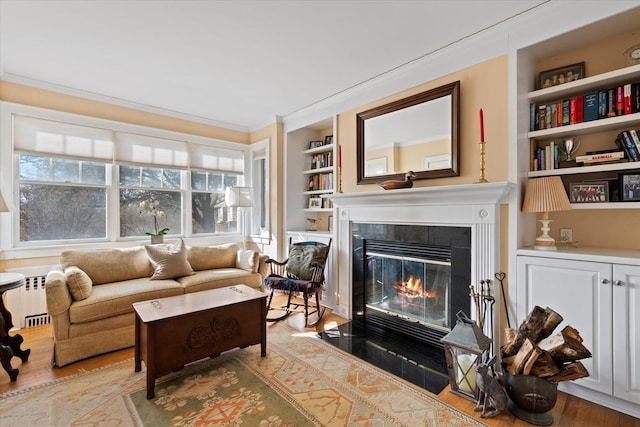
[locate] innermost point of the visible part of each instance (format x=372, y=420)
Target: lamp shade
x=545, y=195
x=238, y=197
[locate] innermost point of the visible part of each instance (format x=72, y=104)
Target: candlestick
x=481, y=126
x=482, y=179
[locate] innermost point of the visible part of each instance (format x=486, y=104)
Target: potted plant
x=151, y=208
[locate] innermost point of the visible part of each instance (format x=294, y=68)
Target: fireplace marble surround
x=475, y=205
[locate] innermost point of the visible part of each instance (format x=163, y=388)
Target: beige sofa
x=90, y=295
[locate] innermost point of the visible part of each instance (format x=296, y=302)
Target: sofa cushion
x=169, y=263
x=247, y=260
x=219, y=278
x=302, y=257
x=113, y=299
x=109, y=265
x=78, y=282
x=210, y=257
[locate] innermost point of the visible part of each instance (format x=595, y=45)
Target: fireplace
x=410, y=279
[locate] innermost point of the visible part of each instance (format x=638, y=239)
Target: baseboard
x=607, y=401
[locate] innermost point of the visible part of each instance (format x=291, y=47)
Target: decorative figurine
x=394, y=184
x=490, y=392
x=313, y=223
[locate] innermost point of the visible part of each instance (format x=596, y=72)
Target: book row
x=618, y=101
x=551, y=156
x=321, y=181
x=321, y=160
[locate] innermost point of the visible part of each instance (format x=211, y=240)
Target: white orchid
x=151, y=207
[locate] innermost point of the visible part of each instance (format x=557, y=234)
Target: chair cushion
x=302, y=257
x=280, y=283
x=78, y=282
x=169, y=263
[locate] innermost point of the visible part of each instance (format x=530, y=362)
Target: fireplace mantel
x=474, y=205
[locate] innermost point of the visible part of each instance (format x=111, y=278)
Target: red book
x=572, y=111
x=559, y=114
x=580, y=108
x=627, y=98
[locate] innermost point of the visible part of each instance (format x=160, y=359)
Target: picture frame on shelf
x=629, y=186
x=589, y=192
x=558, y=76
x=315, y=144
x=315, y=203
x=328, y=140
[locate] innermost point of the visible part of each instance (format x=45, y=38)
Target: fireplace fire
x=412, y=279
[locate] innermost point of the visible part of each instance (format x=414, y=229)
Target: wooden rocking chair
x=301, y=273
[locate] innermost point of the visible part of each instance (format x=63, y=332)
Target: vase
x=155, y=240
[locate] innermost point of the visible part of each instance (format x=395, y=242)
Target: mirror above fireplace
x=418, y=133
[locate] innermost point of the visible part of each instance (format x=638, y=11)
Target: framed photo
x=315, y=203
x=315, y=144
x=561, y=75
x=589, y=192
x=629, y=187
x=328, y=139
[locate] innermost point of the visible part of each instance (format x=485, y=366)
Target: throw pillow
x=169, y=263
x=78, y=282
x=301, y=257
x=211, y=257
x=247, y=260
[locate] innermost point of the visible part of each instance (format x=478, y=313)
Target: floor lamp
x=241, y=198
x=545, y=195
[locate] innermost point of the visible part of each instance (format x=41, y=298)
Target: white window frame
x=260, y=151
x=11, y=248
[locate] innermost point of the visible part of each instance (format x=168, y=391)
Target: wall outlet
x=566, y=235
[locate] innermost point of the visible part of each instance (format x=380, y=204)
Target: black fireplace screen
x=413, y=288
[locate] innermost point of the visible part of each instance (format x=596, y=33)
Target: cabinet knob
x=605, y=281
x=619, y=283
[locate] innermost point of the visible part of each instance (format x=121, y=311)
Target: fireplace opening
x=410, y=279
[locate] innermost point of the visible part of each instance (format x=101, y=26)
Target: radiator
x=28, y=304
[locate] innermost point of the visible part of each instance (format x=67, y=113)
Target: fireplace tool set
x=484, y=301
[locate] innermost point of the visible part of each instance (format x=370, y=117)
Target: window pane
x=230, y=181
x=210, y=214
x=129, y=176
x=134, y=224
x=34, y=168
x=66, y=170
x=58, y=212
x=152, y=177
x=94, y=173
x=171, y=179
x=215, y=182
x=198, y=180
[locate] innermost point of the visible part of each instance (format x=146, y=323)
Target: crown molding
x=65, y=90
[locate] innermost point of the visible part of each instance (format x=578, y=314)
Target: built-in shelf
x=321, y=149
x=599, y=125
x=586, y=169
x=328, y=169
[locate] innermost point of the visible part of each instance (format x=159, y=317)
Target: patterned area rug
x=302, y=382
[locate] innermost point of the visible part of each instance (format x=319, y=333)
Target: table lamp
x=239, y=197
x=545, y=195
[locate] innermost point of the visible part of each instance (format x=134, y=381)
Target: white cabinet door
x=626, y=332
x=581, y=292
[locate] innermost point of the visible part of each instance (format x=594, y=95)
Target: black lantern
x=464, y=348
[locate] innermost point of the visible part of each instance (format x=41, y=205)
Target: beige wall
x=599, y=228
x=481, y=86
x=27, y=95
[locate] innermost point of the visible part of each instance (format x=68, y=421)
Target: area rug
x=302, y=381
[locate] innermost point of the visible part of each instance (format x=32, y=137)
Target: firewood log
x=521, y=357
x=564, y=346
x=544, y=365
x=539, y=324
x=569, y=372
x=526, y=370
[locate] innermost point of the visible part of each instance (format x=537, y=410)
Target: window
x=61, y=199
x=209, y=214
x=260, y=183
x=139, y=183
x=84, y=181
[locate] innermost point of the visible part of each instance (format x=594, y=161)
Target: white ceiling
x=235, y=63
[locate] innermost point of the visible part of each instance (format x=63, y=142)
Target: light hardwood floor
x=568, y=411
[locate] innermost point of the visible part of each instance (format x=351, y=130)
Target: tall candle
x=481, y=126
x=339, y=156
x=466, y=373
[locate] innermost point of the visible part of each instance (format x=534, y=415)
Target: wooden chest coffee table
x=174, y=331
